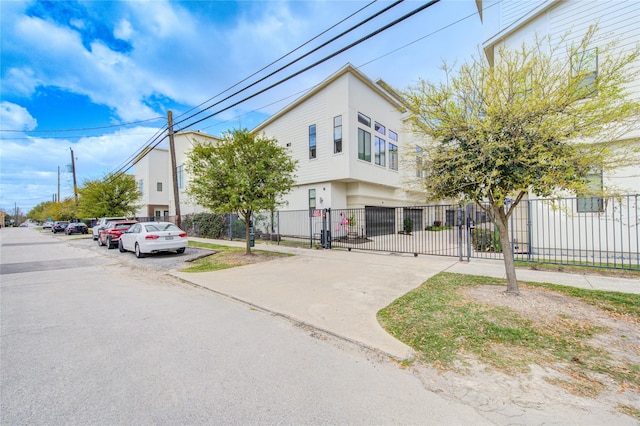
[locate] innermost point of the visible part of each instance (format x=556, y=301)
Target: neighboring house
x=155, y=180
x=588, y=224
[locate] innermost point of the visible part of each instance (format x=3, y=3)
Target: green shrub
x=407, y=225
x=209, y=225
x=485, y=240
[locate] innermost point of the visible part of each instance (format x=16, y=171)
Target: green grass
x=226, y=257
x=445, y=328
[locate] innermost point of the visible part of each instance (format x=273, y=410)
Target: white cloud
x=124, y=30
x=15, y=117
x=36, y=160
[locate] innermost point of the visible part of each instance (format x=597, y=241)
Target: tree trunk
x=247, y=234
x=502, y=223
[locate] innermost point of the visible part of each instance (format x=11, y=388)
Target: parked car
x=76, y=228
x=101, y=223
x=59, y=226
x=47, y=225
x=153, y=237
x=110, y=235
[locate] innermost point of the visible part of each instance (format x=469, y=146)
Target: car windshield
x=122, y=225
x=162, y=227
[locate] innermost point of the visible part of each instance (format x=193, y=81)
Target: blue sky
x=98, y=77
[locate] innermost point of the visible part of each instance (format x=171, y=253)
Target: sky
x=98, y=77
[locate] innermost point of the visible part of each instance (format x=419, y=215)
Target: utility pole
x=174, y=173
x=73, y=169
x=58, y=198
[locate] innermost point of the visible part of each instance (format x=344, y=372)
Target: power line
x=83, y=128
x=326, y=58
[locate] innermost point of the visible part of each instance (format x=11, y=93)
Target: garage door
x=380, y=221
x=416, y=217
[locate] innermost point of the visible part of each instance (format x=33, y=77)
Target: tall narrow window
x=393, y=156
x=312, y=199
x=592, y=202
x=312, y=141
x=141, y=186
x=159, y=186
x=363, y=119
x=419, y=166
x=380, y=147
x=337, y=134
x=584, y=72
x=180, y=174
x=364, y=145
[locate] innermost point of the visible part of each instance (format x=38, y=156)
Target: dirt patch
x=551, y=388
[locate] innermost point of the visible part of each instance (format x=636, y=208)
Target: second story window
x=584, y=72
x=141, y=186
x=312, y=141
x=363, y=119
x=159, y=186
x=337, y=134
x=180, y=174
x=380, y=148
x=380, y=128
x=364, y=145
x=393, y=156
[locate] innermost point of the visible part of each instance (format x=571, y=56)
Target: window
x=592, y=203
x=364, y=119
x=141, y=186
x=337, y=134
x=312, y=141
x=180, y=174
x=364, y=145
x=419, y=171
x=393, y=136
x=393, y=156
x=584, y=72
x=380, y=128
x=312, y=199
x=159, y=186
x=380, y=147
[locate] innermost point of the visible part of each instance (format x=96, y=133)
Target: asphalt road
x=94, y=336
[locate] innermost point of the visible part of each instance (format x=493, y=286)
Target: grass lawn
x=447, y=327
x=225, y=257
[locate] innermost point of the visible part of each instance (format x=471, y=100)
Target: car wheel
x=180, y=250
x=94, y=237
x=109, y=243
x=121, y=247
x=100, y=242
x=139, y=254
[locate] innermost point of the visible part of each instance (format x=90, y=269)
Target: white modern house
x=587, y=226
x=155, y=180
x=347, y=134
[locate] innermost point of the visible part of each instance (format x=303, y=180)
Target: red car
x=110, y=235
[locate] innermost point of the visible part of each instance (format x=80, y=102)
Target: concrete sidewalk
x=340, y=292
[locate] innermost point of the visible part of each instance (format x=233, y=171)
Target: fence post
x=460, y=224
x=468, y=231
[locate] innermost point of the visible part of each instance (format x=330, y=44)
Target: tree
x=115, y=195
x=242, y=174
x=539, y=120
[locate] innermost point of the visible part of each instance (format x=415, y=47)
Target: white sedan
x=153, y=237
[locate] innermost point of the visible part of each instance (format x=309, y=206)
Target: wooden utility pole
x=58, y=197
x=174, y=174
x=73, y=169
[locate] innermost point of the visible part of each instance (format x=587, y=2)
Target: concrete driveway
x=336, y=291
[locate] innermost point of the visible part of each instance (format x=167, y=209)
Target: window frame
x=592, y=203
x=180, y=176
x=313, y=142
x=337, y=141
x=393, y=157
x=380, y=149
x=158, y=186
x=364, y=145
x=363, y=119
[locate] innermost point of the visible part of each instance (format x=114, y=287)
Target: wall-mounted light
x=321, y=200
